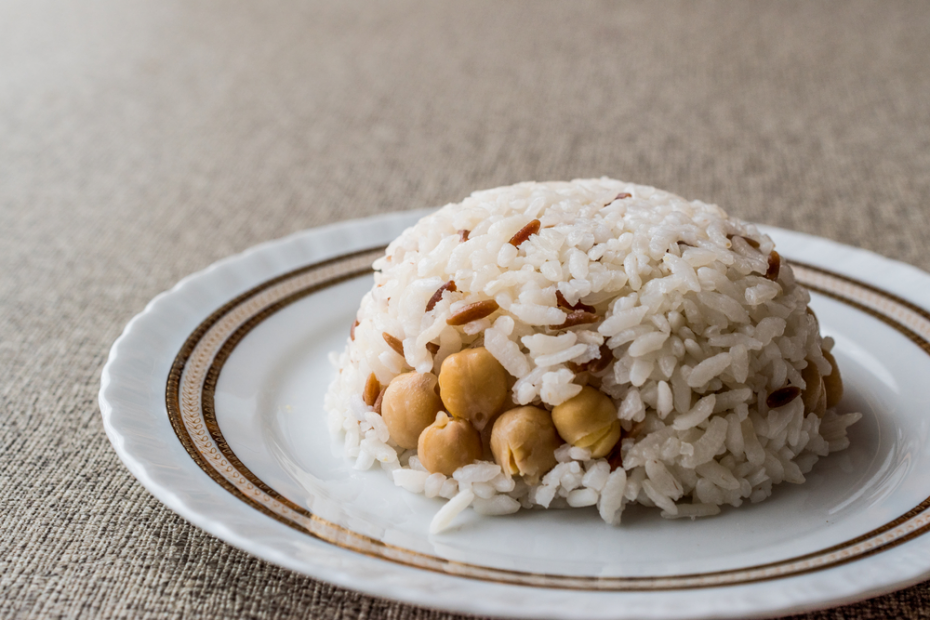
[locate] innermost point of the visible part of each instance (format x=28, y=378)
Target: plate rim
x=340, y=535
x=150, y=313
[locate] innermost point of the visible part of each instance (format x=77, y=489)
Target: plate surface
x=212, y=397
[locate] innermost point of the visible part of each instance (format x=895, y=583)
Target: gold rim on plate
x=191, y=387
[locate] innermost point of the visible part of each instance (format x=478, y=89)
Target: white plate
x=245, y=454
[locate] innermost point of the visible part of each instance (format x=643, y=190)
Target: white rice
x=699, y=338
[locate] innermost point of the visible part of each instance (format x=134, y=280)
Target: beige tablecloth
x=142, y=140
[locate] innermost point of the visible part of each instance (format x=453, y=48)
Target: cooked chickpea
x=473, y=385
x=600, y=444
x=833, y=383
x=588, y=420
x=523, y=441
x=447, y=444
x=409, y=405
x=814, y=395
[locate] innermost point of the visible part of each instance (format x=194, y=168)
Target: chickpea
x=814, y=395
x=588, y=420
x=600, y=444
x=473, y=385
x=833, y=383
x=409, y=405
x=447, y=444
x=523, y=441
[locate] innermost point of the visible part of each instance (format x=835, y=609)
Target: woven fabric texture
x=143, y=140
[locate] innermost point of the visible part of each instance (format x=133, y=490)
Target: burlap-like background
x=143, y=140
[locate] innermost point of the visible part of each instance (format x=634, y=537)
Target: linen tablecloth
x=142, y=140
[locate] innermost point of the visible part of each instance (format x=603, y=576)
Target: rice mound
x=699, y=320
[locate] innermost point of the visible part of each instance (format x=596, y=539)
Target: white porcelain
x=270, y=480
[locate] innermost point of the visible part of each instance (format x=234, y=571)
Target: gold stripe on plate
x=190, y=394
